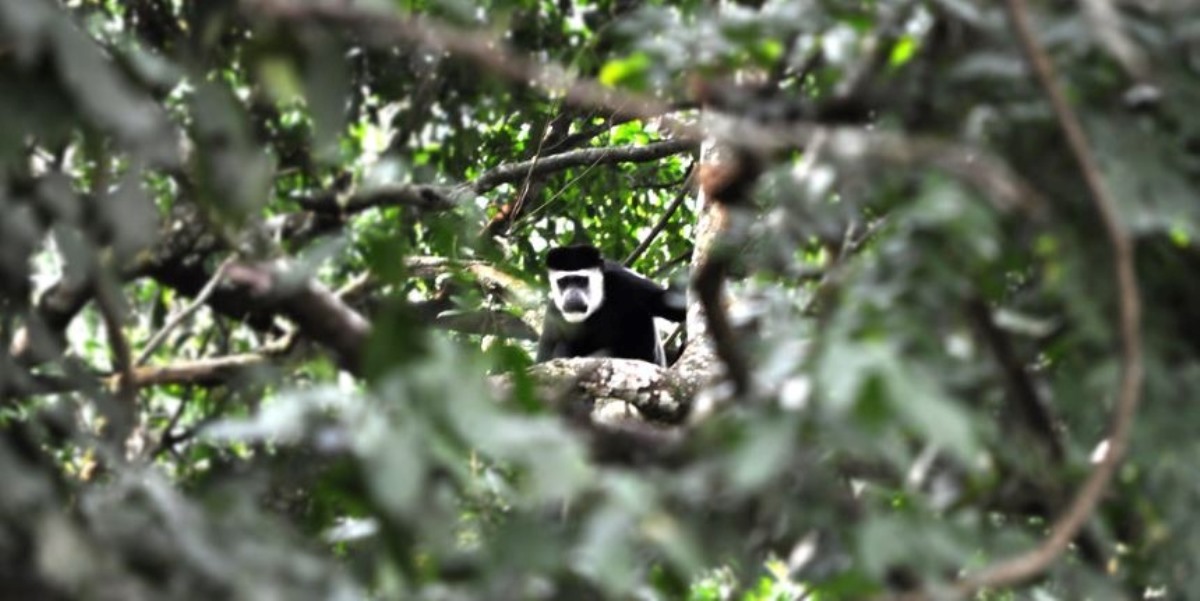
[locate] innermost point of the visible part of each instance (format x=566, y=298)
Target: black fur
x=571, y=258
x=623, y=326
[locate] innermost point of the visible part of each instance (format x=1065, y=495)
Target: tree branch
x=1027, y=565
x=515, y=172
x=111, y=307
x=977, y=167
x=183, y=314
x=203, y=372
x=660, y=394
x=419, y=196
x=493, y=280
x=662, y=221
x=1027, y=403
x=319, y=313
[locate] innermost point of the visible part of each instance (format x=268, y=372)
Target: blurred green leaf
x=628, y=72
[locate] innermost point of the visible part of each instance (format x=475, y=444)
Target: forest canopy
x=272, y=277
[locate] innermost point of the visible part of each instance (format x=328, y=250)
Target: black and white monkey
x=598, y=308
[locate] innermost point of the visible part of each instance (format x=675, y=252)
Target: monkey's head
x=576, y=281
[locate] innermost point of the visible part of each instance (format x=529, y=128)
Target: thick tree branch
x=726, y=177
x=419, y=196
x=319, y=314
x=708, y=280
x=660, y=394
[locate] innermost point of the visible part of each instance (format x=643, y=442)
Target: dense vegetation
x=270, y=277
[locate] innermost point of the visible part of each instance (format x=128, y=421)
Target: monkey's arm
x=662, y=302
x=671, y=304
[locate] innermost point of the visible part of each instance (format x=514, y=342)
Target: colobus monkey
x=598, y=308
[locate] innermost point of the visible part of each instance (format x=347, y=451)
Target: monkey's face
x=578, y=293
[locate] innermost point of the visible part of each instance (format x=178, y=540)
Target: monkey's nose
x=574, y=304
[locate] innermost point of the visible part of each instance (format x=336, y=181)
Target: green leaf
x=630, y=71
x=903, y=51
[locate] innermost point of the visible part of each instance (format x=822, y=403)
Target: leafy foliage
x=934, y=365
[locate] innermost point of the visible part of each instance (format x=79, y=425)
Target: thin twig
x=1026, y=402
x=1029, y=564
x=676, y=335
x=666, y=217
x=171, y=441
x=123, y=415
x=529, y=216
x=590, y=157
x=356, y=285
x=178, y=318
x=167, y=439
x=506, y=219
x=571, y=141
x=110, y=313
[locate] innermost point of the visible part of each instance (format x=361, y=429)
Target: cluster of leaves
x=933, y=368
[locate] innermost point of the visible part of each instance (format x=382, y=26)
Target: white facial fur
x=595, y=292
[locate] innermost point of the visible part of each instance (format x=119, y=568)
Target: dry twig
x=664, y=219
x=178, y=318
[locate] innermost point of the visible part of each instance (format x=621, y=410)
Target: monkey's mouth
x=574, y=304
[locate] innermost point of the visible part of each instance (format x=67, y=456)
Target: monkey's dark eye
x=572, y=281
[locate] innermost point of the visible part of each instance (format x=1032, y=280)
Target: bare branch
x=112, y=310
x=202, y=372
x=579, y=138
x=319, y=313
x=486, y=323
x=182, y=315
x=419, y=196
x=493, y=280
x=709, y=283
x=660, y=394
x=515, y=172
x=120, y=410
x=662, y=221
